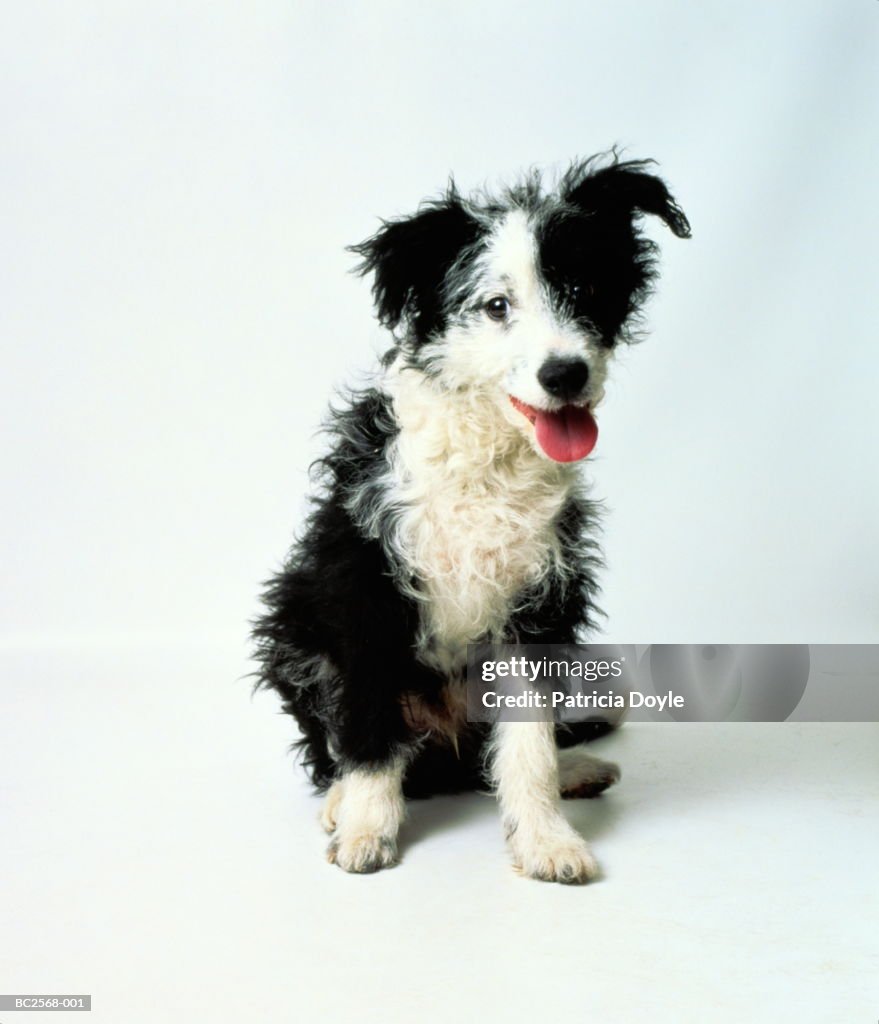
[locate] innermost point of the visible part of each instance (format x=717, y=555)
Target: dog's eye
x=498, y=308
x=577, y=291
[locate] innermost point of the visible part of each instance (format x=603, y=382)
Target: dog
x=451, y=510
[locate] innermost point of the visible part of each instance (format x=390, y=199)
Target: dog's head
x=524, y=297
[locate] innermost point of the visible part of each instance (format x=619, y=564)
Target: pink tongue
x=566, y=435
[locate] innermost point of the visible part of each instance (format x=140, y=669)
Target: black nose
x=564, y=378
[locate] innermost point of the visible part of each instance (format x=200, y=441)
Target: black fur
x=591, y=251
x=410, y=259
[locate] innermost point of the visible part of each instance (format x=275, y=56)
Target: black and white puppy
x=451, y=509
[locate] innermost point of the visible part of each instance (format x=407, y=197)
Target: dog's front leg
x=364, y=810
x=526, y=774
x=365, y=807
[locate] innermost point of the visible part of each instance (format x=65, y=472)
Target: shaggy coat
x=451, y=510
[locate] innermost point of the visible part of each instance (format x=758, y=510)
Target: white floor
x=160, y=852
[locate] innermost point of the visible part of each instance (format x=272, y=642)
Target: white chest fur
x=477, y=511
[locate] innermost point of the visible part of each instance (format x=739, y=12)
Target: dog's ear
x=410, y=259
x=625, y=189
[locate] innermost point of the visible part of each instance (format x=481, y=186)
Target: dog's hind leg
x=582, y=775
x=364, y=810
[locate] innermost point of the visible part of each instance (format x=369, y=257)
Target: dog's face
x=522, y=300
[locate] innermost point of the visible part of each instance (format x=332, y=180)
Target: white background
x=179, y=181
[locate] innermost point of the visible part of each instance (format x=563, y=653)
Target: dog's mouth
x=564, y=435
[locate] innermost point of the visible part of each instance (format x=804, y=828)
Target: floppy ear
x=626, y=188
x=410, y=259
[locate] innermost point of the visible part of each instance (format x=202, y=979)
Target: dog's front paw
x=362, y=853
x=565, y=859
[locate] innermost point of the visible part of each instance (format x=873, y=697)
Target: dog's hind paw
x=329, y=813
x=589, y=788
x=362, y=854
x=581, y=775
